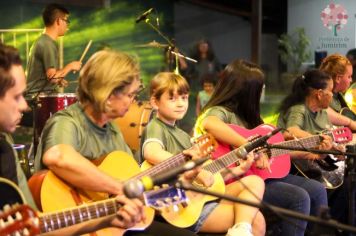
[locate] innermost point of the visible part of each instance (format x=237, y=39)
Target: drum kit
x=43, y=106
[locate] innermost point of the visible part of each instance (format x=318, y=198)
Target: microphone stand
x=278, y=210
x=171, y=45
x=350, y=172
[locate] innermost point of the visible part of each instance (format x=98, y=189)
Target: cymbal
x=152, y=44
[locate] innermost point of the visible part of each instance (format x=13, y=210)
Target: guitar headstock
x=341, y=135
x=206, y=143
x=165, y=197
x=18, y=220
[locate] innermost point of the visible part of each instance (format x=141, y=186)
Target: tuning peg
x=168, y=200
x=175, y=208
x=184, y=204
x=10, y=219
x=18, y=216
x=36, y=221
x=160, y=203
x=165, y=185
x=25, y=232
x=2, y=223
x=6, y=207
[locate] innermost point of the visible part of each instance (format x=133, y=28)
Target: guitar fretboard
x=233, y=156
x=308, y=142
x=61, y=219
x=165, y=165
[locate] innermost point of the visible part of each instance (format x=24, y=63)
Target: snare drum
x=49, y=104
x=133, y=123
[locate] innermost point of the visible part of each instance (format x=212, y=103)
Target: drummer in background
x=43, y=72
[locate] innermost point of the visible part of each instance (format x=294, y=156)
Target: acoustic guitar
x=187, y=215
x=328, y=171
x=19, y=219
x=56, y=194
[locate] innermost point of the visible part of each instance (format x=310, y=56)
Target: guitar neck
x=307, y=142
x=66, y=218
x=165, y=165
x=224, y=161
x=233, y=156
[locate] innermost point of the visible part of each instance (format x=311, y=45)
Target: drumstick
x=85, y=50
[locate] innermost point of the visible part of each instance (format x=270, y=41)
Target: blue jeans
x=298, y=194
x=207, y=209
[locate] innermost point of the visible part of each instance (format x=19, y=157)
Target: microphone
x=248, y=147
x=134, y=188
x=144, y=15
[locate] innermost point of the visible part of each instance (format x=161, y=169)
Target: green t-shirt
x=73, y=127
x=203, y=98
x=21, y=178
x=299, y=115
x=335, y=103
x=43, y=56
x=171, y=138
x=226, y=116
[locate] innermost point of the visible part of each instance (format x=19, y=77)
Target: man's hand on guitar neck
x=326, y=142
x=129, y=214
x=341, y=148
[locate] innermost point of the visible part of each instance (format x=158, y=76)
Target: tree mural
x=334, y=17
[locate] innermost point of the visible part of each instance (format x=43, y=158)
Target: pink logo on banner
x=334, y=17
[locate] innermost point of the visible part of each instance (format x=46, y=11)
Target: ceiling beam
x=220, y=7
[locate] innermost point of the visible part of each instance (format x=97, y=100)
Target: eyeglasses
x=66, y=20
x=132, y=95
x=135, y=94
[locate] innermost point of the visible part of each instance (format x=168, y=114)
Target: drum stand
x=34, y=103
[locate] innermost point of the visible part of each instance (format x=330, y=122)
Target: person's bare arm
x=340, y=120
x=56, y=76
x=222, y=132
x=154, y=153
x=69, y=165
